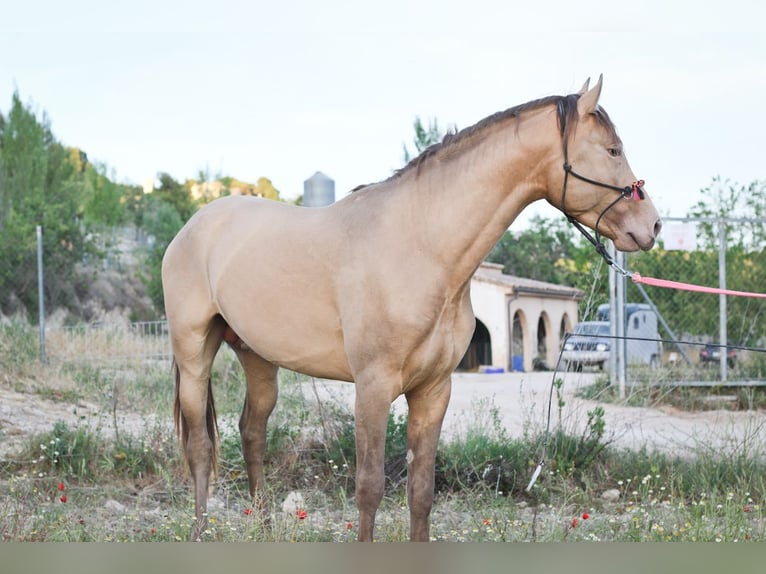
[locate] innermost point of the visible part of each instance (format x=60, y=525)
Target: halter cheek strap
x=634, y=191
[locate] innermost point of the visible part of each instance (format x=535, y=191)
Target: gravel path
x=519, y=400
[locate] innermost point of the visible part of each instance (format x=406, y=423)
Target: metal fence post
x=40, y=293
x=617, y=355
x=722, y=335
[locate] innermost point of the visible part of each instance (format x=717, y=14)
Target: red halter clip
x=636, y=192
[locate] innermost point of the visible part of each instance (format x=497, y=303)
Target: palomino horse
x=374, y=289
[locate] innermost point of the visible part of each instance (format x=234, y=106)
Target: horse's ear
x=584, y=87
x=588, y=101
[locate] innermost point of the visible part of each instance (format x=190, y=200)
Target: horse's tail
x=182, y=429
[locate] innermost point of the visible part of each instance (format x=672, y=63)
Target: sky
x=284, y=89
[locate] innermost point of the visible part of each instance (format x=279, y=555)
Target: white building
x=519, y=322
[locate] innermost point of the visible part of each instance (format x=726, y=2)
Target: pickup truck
x=590, y=343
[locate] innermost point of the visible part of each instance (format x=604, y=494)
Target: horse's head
x=598, y=187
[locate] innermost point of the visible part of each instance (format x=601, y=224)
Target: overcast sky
x=283, y=89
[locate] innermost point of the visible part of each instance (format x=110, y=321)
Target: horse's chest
x=446, y=341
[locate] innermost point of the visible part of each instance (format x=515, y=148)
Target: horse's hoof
x=200, y=527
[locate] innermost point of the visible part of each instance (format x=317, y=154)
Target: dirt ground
x=26, y=414
x=519, y=399
x=521, y=402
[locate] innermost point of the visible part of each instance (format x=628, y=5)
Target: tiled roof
x=493, y=273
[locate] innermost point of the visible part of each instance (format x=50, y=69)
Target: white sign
x=681, y=236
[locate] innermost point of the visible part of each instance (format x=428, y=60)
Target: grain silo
x=318, y=190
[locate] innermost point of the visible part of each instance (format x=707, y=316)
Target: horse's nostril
x=657, y=227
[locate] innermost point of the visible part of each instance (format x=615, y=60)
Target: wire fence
x=110, y=343
x=722, y=253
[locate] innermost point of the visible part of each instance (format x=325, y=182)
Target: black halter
x=634, y=191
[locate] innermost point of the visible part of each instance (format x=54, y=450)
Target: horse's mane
x=567, y=119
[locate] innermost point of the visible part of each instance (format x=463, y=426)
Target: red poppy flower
x=585, y=516
x=349, y=525
x=61, y=486
x=247, y=511
x=301, y=514
x=486, y=522
x=63, y=498
x=574, y=523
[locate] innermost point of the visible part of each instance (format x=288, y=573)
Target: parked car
x=590, y=343
x=712, y=354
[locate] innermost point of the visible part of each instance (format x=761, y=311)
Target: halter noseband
x=634, y=191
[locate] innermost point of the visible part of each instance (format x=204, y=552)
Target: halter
x=634, y=191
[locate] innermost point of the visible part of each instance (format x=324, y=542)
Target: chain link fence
x=707, y=336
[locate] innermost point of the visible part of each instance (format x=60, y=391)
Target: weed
x=19, y=347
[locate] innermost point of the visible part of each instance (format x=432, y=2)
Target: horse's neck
x=473, y=198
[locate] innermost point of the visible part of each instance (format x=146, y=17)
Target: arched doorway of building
x=517, y=342
x=479, y=351
x=540, y=362
x=565, y=327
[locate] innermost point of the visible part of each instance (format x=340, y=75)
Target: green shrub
x=83, y=455
x=66, y=453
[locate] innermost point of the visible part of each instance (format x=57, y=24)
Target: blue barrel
x=518, y=363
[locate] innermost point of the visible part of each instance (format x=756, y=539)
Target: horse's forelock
x=568, y=117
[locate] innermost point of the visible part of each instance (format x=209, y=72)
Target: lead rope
x=546, y=435
x=634, y=191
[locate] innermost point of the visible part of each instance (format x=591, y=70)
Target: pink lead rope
x=637, y=278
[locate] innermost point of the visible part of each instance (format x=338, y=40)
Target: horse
x=375, y=288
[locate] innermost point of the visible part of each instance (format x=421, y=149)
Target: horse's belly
x=324, y=363
x=298, y=344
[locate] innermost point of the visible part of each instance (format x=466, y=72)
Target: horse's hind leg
x=260, y=398
x=426, y=409
x=195, y=409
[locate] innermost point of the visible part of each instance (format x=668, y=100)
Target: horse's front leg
x=427, y=406
x=373, y=403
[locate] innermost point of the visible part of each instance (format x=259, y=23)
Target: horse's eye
x=614, y=151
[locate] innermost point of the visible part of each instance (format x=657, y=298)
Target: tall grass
x=123, y=481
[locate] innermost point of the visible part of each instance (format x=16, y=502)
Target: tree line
x=79, y=203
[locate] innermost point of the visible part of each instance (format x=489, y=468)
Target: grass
x=122, y=481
